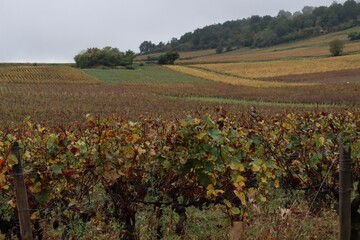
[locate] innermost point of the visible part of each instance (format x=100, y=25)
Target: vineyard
x=244, y=142
x=198, y=71
x=42, y=74
x=256, y=70
x=110, y=172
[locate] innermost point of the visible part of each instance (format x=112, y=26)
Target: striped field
x=43, y=74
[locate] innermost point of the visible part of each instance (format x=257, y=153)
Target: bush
x=336, y=47
x=219, y=49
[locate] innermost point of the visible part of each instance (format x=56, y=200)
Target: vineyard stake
x=21, y=196
x=345, y=189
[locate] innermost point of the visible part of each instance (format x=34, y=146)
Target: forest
x=263, y=31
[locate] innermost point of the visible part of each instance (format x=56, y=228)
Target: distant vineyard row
x=42, y=74
x=234, y=162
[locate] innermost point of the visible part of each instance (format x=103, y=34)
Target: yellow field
x=217, y=77
x=256, y=70
x=43, y=74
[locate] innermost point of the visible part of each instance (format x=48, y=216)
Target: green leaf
x=166, y=164
x=216, y=135
x=256, y=140
x=206, y=147
x=44, y=196
x=83, y=149
x=314, y=160
x=208, y=120
x=208, y=166
x=57, y=168
x=235, y=164
x=203, y=178
x=233, y=134
x=235, y=210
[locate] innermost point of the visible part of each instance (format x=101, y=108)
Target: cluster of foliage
x=108, y=57
x=195, y=162
x=354, y=36
x=258, y=31
x=336, y=47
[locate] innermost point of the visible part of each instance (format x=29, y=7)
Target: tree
x=169, y=57
x=127, y=59
x=336, y=47
x=146, y=47
x=172, y=56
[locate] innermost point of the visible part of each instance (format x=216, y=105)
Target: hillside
x=312, y=47
x=264, y=31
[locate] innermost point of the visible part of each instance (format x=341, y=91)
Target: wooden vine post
x=21, y=196
x=345, y=189
x=237, y=231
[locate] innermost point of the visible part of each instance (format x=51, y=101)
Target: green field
x=148, y=74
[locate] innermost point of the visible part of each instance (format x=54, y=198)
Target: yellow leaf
x=36, y=188
x=141, y=150
x=35, y=215
x=12, y=203
x=322, y=141
x=255, y=168
x=241, y=196
x=12, y=160
x=152, y=153
x=128, y=152
x=277, y=184
x=239, y=181
x=263, y=180
x=241, y=168
x=212, y=192
x=227, y=203
x=196, y=121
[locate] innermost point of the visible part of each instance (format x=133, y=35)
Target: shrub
x=354, y=36
x=336, y=47
x=219, y=49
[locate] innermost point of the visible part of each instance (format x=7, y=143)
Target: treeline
x=105, y=57
x=257, y=31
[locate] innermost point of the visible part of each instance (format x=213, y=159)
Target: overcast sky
x=56, y=30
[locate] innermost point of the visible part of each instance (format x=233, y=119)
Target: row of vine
x=197, y=161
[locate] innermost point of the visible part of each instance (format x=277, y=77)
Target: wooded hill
x=263, y=31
